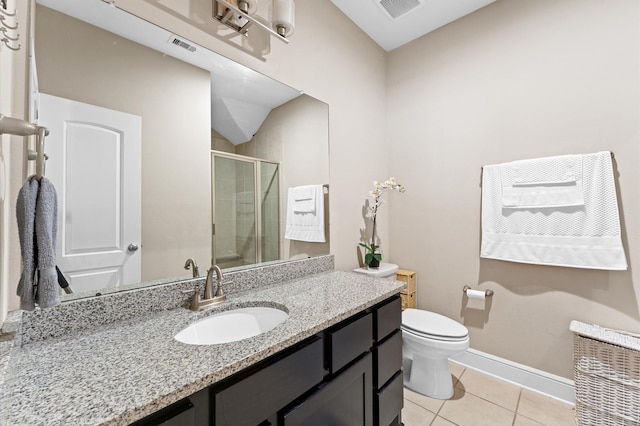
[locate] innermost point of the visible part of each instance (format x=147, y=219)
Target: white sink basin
x=231, y=326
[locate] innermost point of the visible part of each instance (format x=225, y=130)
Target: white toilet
x=428, y=341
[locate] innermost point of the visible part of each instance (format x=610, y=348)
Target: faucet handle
x=195, y=299
x=219, y=291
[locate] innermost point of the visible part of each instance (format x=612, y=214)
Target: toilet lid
x=430, y=323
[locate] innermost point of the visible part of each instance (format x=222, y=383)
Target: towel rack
x=17, y=127
x=482, y=167
x=610, y=152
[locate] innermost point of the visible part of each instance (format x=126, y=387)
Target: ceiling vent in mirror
x=176, y=41
x=397, y=8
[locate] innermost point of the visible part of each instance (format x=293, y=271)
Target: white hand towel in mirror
x=305, y=225
x=304, y=198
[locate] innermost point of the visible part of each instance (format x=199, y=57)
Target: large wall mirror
x=186, y=141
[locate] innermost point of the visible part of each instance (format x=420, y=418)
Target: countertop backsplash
x=80, y=314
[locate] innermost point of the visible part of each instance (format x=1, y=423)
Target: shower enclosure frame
x=258, y=233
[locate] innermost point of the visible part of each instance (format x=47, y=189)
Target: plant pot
x=374, y=263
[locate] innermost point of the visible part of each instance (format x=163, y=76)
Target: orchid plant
x=372, y=257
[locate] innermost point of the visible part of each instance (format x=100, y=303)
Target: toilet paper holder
x=487, y=293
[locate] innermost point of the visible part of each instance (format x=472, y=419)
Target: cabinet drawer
x=348, y=342
x=253, y=399
x=388, y=318
x=390, y=401
x=346, y=400
x=388, y=359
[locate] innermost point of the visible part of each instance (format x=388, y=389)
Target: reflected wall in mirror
x=172, y=99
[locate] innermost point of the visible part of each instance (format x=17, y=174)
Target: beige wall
x=84, y=63
x=296, y=135
x=515, y=80
x=331, y=60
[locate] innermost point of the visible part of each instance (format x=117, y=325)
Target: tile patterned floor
x=481, y=400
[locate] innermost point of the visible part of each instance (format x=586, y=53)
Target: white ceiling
x=426, y=16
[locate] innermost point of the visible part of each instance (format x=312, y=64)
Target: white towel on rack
x=575, y=224
x=304, y=198
x=305, y=223
x=544, y=182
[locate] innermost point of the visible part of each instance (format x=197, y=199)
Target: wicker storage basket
x=607, y=376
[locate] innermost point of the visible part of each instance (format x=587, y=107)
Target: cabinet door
x=344, y=401
x=255, y=398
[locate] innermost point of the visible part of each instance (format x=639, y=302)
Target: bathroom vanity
x=335, y=360
x=348, y=374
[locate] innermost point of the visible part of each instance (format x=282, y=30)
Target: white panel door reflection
x=94, y=162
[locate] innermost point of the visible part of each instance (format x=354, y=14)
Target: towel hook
x=5, y=13
x=6, y=43
x=7, y=26
x=7, y=36
x=42, y=132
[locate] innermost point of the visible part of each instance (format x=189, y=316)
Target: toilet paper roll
x=476, y=294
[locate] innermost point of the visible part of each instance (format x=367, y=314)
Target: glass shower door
x=269, y=211
x=234, y=211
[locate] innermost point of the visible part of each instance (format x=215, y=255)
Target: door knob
x=132, y=247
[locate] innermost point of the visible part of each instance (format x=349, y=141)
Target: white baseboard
x=521, y=375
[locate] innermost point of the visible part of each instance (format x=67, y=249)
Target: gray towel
x=26, y=215
x=37, y=211
x=46, y=228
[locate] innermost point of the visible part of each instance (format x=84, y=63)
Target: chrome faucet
x=210, y=298
x=192, y=263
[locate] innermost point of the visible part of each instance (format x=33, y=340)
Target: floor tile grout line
x=493, y=402
x=515, y=416
x=517, y=406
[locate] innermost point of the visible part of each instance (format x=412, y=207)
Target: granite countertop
x=118, y=373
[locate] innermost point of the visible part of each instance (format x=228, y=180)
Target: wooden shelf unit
x=408, y=294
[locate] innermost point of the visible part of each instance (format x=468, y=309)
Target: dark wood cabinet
x=346, y=342
x=253, y=399
x=347, y=375
x=387, y=355
x=345, y=400
x=389, y=402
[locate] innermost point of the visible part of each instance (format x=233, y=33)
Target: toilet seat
x=434, y=326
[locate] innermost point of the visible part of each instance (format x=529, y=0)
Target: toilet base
x=428, y=376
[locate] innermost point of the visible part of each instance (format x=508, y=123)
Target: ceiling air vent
x=176, y=41
x=397, y=8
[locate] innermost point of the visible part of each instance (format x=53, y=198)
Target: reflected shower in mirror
x=86, y=71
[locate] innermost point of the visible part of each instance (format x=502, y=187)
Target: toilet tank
x=385, y=270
